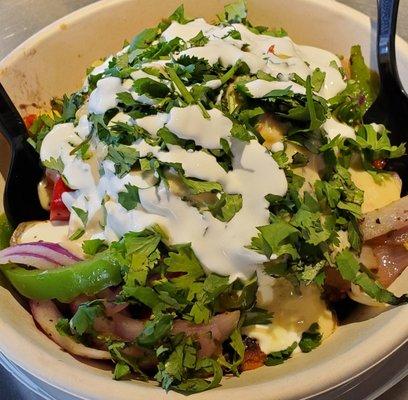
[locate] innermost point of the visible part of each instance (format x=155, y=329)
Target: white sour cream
x=332, y=127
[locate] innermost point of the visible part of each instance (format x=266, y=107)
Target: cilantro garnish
x=130, y=198
x=278, y=357
x=311, y=338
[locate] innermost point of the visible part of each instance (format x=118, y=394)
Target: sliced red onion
x=392, y=261
x=386, y=255
x=46, y=314
x=127, y=328
x=211, y=335
x=394, y=216
x=109, y=296
x=41, y=255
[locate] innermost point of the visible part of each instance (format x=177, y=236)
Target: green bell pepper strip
x=6, y=230
x=65, y=283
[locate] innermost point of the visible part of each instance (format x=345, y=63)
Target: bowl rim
x=55, y=377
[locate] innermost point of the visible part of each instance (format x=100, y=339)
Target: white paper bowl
x=53, y=62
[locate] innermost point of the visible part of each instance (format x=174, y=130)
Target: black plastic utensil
x=21, y=202
x=391, y=106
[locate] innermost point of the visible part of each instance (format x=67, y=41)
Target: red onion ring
x=41, y=255
x=46, y=314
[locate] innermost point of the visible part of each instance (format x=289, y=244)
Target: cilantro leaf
x=126, y=99
x=317, y=80
x=63, y=328
x=226, y=206
x=121, y=371
x=126, y=363
x=234, y=12
x=278, y=357
x=82, y=214
x=257, y=316
x=309, y=223
x=240, y=132
x=197, y=186
x=143, y=39
x=316, y=116
x=362, y=74
x=184, y=260
x=155, y=330
x=93, y=246
x=151, y=88
x=181, y=369
x=77, y=234
x=124, y=157
x=84, y=317
x=375, y=145
x=275, y=238
x=179, y=15
x=129, y=199
x=311, y=339
x=55, y=164
x=199, y=40
x=145, y=295
x=350, y=105
x=171, y=138
x=350, y=270
x=238, y=351
x=141, y=250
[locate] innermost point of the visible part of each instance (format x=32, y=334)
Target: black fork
x=21, y=202
x=391, y=106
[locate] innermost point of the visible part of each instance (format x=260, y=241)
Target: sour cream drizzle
x=278, y=56
x=220, y=246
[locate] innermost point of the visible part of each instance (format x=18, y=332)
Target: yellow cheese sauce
x=293, y=313
x=376, y=194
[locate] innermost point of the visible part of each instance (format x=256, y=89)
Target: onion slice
x=392, y=217
x=41, y=255
x=211, y=335
x=46, y=314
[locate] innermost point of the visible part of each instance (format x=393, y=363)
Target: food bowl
x=52, y=63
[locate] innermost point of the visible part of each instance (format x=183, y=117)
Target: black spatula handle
x=11, y=124
x=387, y=26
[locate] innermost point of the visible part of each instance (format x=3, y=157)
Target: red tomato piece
x=29, y=120
x=271, y=49
x=58, y=211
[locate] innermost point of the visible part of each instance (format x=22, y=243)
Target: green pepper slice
x=65, y=283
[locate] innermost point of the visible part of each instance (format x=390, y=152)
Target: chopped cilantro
x=278, y=357
x=77, y=234
x=129, y=199
x=150, y=88
x=84, y=317
x=311, y=339
x=93, y=246
x=124, y=157
x=55, y=164
x=350, y=270
x=226, y=206
x=82, y=214
x=185, y=261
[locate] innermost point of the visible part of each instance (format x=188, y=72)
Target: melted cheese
x=293, y=314
x=376, y=194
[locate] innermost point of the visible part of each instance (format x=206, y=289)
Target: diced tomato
x=254, y=357
x=271, y=49
x=58, y=211
x=379, y=164
x=29, y=120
